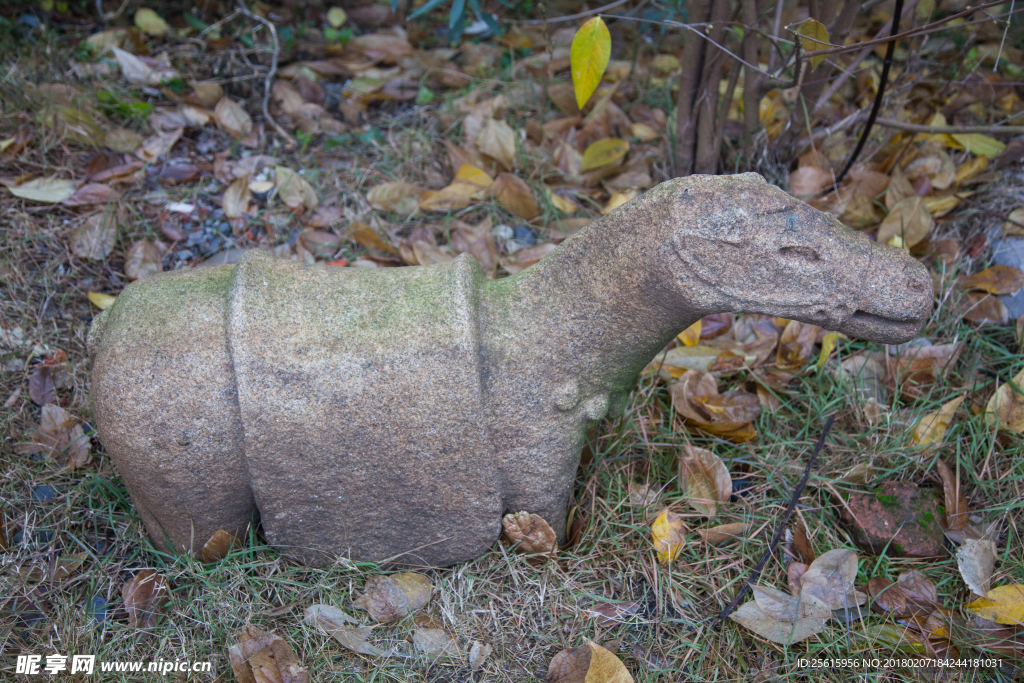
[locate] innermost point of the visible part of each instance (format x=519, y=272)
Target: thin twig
x=109, y=16
x=983, y=209
x=927, y=28
x=270, y=74
x=883, y=79
x=578, y=15
x=951, y=130
x=848, y=71
x=797, y=492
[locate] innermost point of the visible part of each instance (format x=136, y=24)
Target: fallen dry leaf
x=514, y=194
x=344, y=629
x=917, y=368
x=293, y=190
x=641, y=494
x=144, y=258
x=976, y=559
x=909, y=220
x=984, y=309
x=603, y=152
x=724, y=533
x=1003, y=605
x=395, y=196
x=151, y=23
x=145, y=598
x=691, y=335
x=478, y=654
x=957, y=513
x=588, y=663
x=695, y=397
x=999, y=280
x=809, y=180
x=618, y=199
x=237, y=198
x=796, y=345
x=829, y=581
x=912, y=595
x=611, y=613
x=88, y=194
x=531, y=532
x=101, y=301
x=219, y=545
x=144, y=70
x=390, y=597
x=434, y=643
x=668, y=535
x=1006, y=407
x=45, y=190
x=262, y=657
x=96, y=236
x=750, y=616
x=232, y=118
x=704, y=479
x=933, y=426
x=59, y=434
x=156, y=146
x=802, y=544
x=498, y=141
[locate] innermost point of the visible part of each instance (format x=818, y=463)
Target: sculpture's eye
x=803, y=253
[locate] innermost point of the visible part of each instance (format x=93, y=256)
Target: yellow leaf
x=605, y=667
x=970, y=169
x=976, y=143
x=45, y=190
x=932, y=427
x=667, y=533
x=4, y=144
x=603, y=152
x=691, y=335
x=909, y=220
x=101, y=301
x=148, y=21
x=617, y=200
x=1004, y=605
x=1007, y=406
x=364, y=235
x=591, y=49
x=561, y=203
x=336, y=17
x=828, y=342
x=451, y=198
x=474, y=176
x=814, y=36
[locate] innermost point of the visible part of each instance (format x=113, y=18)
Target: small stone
x=525, y=236
x=898, y=515
x=96, y=608
x=44, y=493
x=1010, y=252
x=195, y=238
x=183, y=254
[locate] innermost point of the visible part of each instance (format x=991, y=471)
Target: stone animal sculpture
x=398, y=413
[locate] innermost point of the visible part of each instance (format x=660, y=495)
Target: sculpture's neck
x=588, y=310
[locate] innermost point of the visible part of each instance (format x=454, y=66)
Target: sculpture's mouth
x=881, y=328
x=894, y=298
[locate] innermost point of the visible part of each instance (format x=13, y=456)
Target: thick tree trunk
x=697, y=124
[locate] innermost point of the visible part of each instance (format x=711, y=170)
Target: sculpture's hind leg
x=163, y=388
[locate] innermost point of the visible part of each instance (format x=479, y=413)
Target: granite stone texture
x=397, y=413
